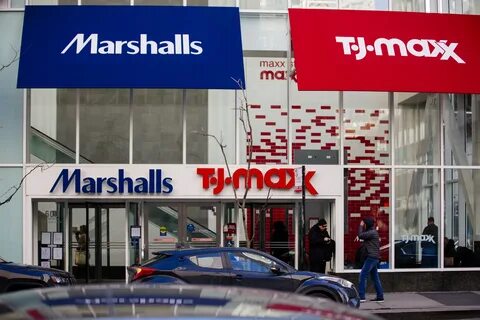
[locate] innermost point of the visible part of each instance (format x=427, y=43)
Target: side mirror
x=275, y=268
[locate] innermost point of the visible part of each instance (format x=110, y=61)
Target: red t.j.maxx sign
x=282, y=178
x=385, y=51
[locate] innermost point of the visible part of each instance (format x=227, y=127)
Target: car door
x=206, y=268
x=250, y=269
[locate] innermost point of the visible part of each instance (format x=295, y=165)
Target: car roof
x=192, y=251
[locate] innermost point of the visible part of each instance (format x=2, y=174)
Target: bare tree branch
x=15, y=58
x=14, y=189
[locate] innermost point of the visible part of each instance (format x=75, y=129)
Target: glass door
x=97, y=241
x=170, y=226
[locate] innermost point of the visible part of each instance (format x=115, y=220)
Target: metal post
x=302, y=221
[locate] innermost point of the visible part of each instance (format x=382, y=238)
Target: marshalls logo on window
x=181, y=45
x=427, y=48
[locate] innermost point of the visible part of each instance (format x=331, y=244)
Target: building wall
x=400, y=167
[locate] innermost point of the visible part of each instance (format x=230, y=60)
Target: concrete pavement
x=426, y=305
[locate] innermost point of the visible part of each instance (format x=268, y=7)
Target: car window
x=247, y=261
x=209, y=260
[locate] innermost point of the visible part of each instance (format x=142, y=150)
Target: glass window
x=417, y=129
x=367, y=195
x=264, y=4
x=52, y=2
x=104, y=123
x=314, y=121
x=197, y=106
x=218, y=120
x=159, y=3
x=105, y=2
x=326, y=4
x=11, y=98
x=265, y=42
x=11, y=228
x=212, y=3
x=162, y=227
x=210, y=260
x=462, y=195
x=50, y=226
x=157, y=126
x=415, y=5
x=461, y=118
x=417, y=215
x=366, y=128
x=364, y=4
x=246, y=261
x=52, y=125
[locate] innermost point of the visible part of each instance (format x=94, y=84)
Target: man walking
x=369, y=234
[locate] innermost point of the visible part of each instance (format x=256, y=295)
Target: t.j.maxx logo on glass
x=282, y=178
x=422, y=48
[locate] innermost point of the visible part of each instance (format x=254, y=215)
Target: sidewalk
x=426, y=305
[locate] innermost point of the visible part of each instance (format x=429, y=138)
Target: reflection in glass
x=462, y=137
x=162, y=227
x=462, y=217
x=264, y=4
x=268, y=110
x=417, y=125
x=417, y=202
x=157, y=125
x=366, y=128
x=104, y=119
x=52, y=125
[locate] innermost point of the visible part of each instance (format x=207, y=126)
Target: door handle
x=238, y=277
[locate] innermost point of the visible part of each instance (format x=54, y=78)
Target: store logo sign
x=180, y=46
x=427, y=48
x=283, y=179
x=154, y=183
x=418, y=237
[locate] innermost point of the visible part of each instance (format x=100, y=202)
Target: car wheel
x=321, y=295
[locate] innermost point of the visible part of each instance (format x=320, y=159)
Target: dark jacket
x=320, y=250
x=432, y=230
x=371, y=241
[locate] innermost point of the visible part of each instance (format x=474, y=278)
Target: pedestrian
x=320, y=246
x=430, y=245
x=371, y=240
x=279, y=241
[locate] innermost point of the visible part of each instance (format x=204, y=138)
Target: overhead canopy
x=131, y=47
x=385, y=51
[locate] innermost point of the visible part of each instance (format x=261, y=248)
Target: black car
x=183, y=301
x=14, y=277
x=240, y=267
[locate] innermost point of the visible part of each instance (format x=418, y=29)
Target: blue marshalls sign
x=131, y=47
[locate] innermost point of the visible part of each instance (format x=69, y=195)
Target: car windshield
x=2, y=260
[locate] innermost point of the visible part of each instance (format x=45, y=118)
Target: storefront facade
x=400, y=157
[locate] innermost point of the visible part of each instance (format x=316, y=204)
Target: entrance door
x=169, y=226
x=97, y=241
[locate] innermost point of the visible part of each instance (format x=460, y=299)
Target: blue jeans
x=370, y=268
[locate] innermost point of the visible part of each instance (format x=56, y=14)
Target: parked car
x=14, y=277
x=240, y=267
x=170, y=301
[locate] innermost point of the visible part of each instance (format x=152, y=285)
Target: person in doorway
x=320, y=246
x=371, y=240
x=81, y=252
x=279, y=241
x=430, y=245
